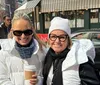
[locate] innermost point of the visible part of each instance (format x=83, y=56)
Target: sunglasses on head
x=25, y=32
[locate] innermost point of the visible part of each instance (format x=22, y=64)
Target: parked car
x=94, y=36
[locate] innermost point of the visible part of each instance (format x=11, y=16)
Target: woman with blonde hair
x=25, y=48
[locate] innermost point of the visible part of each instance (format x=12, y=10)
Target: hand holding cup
x=30, y=74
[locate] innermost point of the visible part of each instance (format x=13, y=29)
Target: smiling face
x=22, y=25
x=58, y=40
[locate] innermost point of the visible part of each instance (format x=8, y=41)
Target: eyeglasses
x=26, y=32
x=62, y=38
x=8, y=19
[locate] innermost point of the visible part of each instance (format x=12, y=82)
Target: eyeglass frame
x=8, y=19
x=59, y=37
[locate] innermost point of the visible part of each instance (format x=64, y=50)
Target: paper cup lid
x=30, y=67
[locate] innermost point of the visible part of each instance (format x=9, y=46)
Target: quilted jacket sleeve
x=88, y=74
x=4, y=75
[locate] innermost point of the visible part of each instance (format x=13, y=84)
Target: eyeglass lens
x=19, y=33
x=54, y=37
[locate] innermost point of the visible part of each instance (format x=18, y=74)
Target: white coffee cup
x=29, y=70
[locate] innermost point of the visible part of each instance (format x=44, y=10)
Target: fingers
x=34, y=80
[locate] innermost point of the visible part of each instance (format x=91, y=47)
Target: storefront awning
x=28, y=7
x=64, y=5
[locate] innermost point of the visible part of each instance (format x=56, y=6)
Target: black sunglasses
x=26, y=32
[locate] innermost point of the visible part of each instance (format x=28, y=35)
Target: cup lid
x=30, y=67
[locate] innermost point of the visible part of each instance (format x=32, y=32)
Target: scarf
x=25, y=51
x=56, y=60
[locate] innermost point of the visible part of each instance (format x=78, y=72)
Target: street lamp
x=9, y=7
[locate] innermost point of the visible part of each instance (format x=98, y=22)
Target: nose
x=57, y=39
x=23, y=35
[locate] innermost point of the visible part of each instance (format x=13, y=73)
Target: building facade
x=82, y=14
x=10, y=6
x=2, y=9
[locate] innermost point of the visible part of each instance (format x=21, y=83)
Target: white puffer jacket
x=12, y=65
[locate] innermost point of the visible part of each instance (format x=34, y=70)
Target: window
x=80, y=18
x=47, y=20
x=94, y=15
x=76, y=18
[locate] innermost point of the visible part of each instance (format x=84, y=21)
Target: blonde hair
x=18, y=16
x=10, y=35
